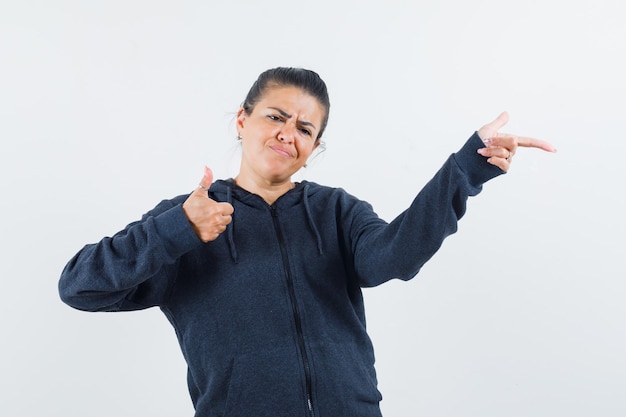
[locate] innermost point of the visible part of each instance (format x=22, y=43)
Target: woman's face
x=280, y=133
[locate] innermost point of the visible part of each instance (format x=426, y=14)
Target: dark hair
x=307, y=80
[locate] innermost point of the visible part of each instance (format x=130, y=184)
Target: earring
x=239, y=137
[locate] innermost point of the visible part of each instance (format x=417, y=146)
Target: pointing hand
x=500, y=147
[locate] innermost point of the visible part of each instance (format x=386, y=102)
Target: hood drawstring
x=230, y=233
x=309, y=216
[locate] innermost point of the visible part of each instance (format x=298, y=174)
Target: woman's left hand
x=500, y=147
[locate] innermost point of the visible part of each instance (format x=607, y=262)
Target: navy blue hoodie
x=270, y=315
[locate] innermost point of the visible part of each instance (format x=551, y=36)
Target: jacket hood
x=228, y=191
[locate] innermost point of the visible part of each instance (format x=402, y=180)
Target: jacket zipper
x=296, y=313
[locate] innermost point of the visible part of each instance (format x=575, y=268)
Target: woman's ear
x=241, y=118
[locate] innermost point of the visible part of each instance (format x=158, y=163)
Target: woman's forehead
x=287, y=92
x=292, y=99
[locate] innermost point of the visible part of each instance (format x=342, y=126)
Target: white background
x=107, y=107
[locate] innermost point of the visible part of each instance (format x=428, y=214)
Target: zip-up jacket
x=270, y=315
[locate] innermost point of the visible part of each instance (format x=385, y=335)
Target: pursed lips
x=282, y=151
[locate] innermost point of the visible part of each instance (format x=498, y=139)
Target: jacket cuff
x=473, y=164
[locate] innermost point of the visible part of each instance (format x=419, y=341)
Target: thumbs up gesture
x=208, y=217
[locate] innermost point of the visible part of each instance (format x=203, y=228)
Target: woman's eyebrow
x=288, y=116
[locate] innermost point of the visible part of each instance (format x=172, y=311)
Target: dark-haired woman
x=261, y=277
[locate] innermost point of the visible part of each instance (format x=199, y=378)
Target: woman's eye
x=306, y=132
x=273, y=117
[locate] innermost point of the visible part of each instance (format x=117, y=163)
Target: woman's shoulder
x=313, y=188
x=326, y=192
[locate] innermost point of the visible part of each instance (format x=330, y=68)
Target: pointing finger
x=508, y=139
x=535, y=143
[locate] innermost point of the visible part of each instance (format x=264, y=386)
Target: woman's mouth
x=281, y=151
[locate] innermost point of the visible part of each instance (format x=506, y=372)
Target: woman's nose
x=287, y=133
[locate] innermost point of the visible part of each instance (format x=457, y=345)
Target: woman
x=261, y=277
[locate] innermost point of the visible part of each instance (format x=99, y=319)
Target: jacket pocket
x=266, y=384
x=345, y=382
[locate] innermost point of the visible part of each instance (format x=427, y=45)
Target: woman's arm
x=399, y=249
x=132, y=269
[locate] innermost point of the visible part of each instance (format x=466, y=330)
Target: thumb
x=500, y=121
x=207, y=179
x=491, y=129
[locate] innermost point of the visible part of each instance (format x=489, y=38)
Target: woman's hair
x=307, y=80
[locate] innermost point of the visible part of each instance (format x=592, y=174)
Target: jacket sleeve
x=399, y=249
x=134, y=268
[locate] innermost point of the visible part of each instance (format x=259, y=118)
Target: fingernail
x=481, y=151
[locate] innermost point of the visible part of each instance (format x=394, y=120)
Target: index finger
x=535, y=143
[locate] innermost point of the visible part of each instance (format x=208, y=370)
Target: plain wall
x=107, y=107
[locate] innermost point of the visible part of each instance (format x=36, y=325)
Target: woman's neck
x=267, y=190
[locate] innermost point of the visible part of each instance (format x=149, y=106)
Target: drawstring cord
x=230, y=233
x=309, y=216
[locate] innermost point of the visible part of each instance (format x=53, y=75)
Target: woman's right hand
x=500, y=147
x=208, y=217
